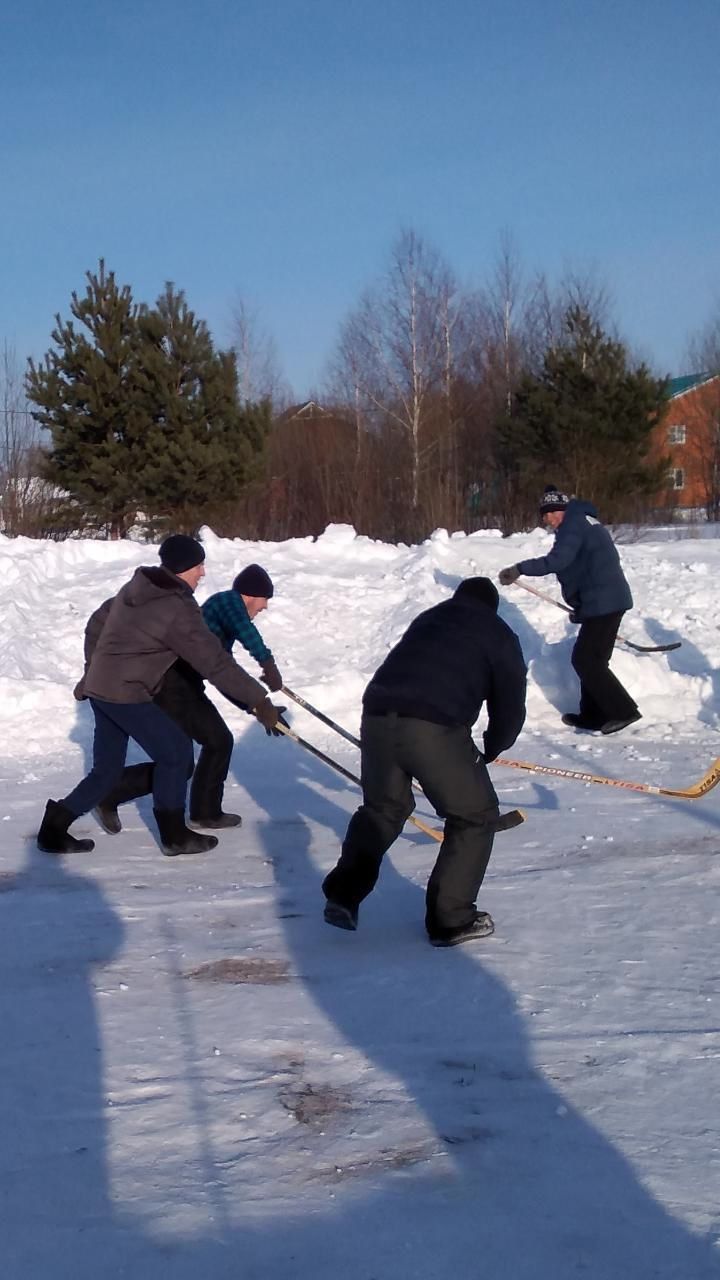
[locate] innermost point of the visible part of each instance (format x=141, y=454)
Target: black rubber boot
x=53, y=834
x=216, y=822
x=176, y=838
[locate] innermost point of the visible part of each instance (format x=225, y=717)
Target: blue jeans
x=167, y=746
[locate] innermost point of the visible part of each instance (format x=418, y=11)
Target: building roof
x=678, y=386
x=306, y=409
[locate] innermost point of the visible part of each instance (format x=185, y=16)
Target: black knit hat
x=254, y=581
x=480, y=589
x=180, y=552
x=553, y=500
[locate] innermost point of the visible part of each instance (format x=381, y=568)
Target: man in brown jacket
x=153, y=621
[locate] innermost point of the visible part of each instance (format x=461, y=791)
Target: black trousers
x=452, y=773
x=602, y=697
x=182, y=697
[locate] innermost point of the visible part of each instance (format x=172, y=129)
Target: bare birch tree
x=25, y=499
x=258, y=365
x=395, y=359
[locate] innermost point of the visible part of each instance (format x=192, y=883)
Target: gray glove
x=506, y=577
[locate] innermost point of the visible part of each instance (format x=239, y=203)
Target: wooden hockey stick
x=417, y=822
x=640, y=648
x=709, y=779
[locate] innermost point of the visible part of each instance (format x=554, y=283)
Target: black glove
x=488, y=752
x=271, y=676
x=575, y=619
x=270, y=716
x=506, y=577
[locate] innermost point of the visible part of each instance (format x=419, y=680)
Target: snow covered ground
x=200, y=1078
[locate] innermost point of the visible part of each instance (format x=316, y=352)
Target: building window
x=676, y=435
x=677, y=478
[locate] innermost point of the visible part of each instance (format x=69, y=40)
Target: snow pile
x=341, y=601
x=200, y=1078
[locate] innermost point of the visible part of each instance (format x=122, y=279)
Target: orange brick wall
x=698, y=410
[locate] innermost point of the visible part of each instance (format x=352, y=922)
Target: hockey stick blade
x=630, y=644
x=695, y=791
x=511, y=818
x=650, y=648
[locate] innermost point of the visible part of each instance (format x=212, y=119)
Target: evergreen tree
x=201, y=446
x=586, y=421
x=143, y=413
x=86, y=393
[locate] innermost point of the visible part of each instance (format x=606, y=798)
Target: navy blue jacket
x=587, y=565
x=452, y=659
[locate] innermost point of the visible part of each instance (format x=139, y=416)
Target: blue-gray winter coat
x=587, y=565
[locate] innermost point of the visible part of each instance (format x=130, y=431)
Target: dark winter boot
x=481, y=927
x=176, y=838
x=576, y=722
x=342, y=917
x=614, y=726
x=53, y=834
x=109, y=819
x=218, y=822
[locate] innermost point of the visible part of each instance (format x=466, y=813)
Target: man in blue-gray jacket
x=587, y=565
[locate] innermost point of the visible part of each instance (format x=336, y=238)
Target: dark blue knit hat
x=180, y=552
x=254, y=581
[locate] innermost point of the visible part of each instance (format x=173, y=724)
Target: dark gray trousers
x=452, y=773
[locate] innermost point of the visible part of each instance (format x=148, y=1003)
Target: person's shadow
x=688, y=660
x=468, y=1162
x=57, y=929
x=483, y=1133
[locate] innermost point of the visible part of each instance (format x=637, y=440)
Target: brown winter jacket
x=133, y=639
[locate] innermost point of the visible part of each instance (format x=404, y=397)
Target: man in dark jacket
x=182, y=696
x=152, y=621
x=418, y=711
x=587, y=565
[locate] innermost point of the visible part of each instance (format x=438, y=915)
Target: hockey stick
x=320, y=715
x=505, y=822
x=640, y=648
x=709, y=779
x=429, y=831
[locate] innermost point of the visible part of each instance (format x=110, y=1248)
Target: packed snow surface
x=200, y=1078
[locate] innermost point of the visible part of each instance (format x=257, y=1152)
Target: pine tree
x=143, y=413
x=201, y=446
x=86, y=393
x=586, y=420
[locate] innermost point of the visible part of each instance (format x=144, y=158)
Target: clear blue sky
x=277, y=147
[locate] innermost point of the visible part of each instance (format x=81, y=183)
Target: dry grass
x=256, y=971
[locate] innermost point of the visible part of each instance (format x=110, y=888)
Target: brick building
x=689, y=434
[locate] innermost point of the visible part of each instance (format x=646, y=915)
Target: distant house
x=306, y=409
x=688, y=433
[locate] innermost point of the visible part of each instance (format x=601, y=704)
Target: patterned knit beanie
x=553, y=500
